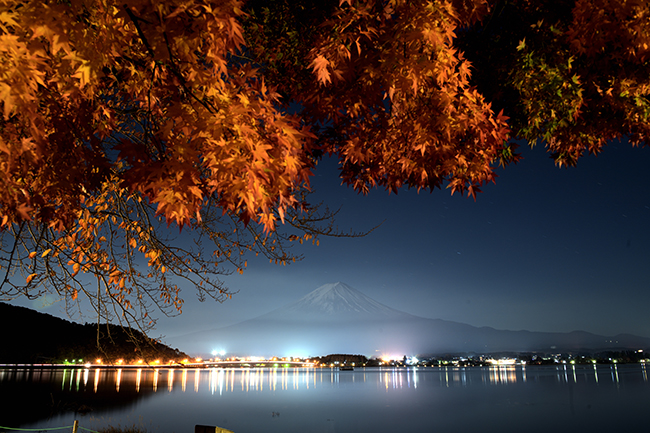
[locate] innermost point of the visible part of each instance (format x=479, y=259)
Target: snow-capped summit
x=340, y=299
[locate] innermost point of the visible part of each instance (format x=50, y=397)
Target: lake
x=559, y=398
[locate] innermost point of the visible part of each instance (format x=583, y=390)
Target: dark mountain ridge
x=29, y=336
x=336, y=318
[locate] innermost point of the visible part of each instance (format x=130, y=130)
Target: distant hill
x=337, y=318
x=29, y=336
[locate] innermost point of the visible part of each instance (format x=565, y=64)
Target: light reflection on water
x=377, y=399
x=224, y=380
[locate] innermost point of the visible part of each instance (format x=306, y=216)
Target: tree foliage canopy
x=119, y=118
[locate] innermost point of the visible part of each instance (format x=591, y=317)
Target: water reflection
x=170, y=380
x=220, y=381
x=138, y=378
x=95, y=380
x=229, y=380
x=35, y=394
x=184, y=380
x=387, y=397
x=504, y=374
x=118, y=379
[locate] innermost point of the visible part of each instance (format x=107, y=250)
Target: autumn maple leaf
x=319, y=66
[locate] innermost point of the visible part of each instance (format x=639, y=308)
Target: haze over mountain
x=336, y=318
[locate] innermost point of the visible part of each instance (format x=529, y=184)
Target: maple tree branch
x=143, y=38
x=174, y=68
x=10, y=260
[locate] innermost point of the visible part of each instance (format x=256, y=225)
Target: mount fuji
x=336, y=318
x=337, y=302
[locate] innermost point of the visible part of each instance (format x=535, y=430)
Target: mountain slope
x=29, y=336
x=335, y=318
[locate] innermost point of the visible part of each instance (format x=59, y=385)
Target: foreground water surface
x=532, y=399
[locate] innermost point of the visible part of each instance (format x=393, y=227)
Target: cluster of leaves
x=151, y=84
x=571, y=74
x=387, y=87
x=119, y=118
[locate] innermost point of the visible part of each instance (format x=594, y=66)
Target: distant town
x=347, y=361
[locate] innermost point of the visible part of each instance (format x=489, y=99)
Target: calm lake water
x=506, y=399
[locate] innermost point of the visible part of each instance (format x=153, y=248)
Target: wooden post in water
x=210, y=429
x=75, y=424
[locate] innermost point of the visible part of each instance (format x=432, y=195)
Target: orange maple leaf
x=319, y=65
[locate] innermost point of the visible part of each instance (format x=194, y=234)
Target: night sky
x=545, y=249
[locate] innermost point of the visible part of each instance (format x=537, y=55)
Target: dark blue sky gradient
x=545, y=249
